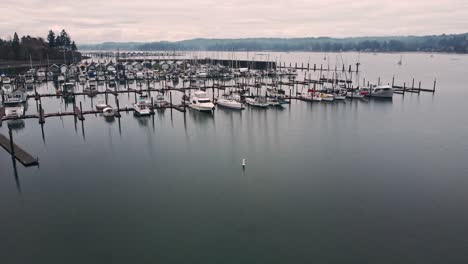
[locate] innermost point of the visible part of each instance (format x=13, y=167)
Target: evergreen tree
x=15, y=45
x=73, y=46
x=51, y=39
x=65, y=39
x=58, y=41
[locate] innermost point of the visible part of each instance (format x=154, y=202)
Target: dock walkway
x=21, y=155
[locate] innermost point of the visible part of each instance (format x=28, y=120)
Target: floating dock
x=20, y=154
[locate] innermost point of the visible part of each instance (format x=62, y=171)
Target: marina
x=309, y=164
x=263, y=85
x=238, y=132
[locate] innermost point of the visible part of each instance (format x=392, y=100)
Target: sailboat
x=257, y=102
x=232, y=102
x=400, y=62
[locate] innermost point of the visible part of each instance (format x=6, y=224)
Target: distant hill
x=456, y=43
x=111, y=46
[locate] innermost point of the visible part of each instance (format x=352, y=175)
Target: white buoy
x=243, y=162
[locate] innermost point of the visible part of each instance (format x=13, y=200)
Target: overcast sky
x=95, y=21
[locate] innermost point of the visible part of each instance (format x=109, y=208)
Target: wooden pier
x=80, y=114
x=17, y=152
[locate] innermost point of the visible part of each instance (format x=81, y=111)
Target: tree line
x=37, y=48
x=62, y=40
x=457, y=43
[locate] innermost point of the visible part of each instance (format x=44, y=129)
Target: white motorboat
x=108, y=112
x=61, y=78
x=327, y=97
x=317, y=97
x=257, y=102
x=41, y=75
x=273, y=102
x=7, y=88
x=16, y=97
x=147, y=100
x=160, y=102
x=29, y=79
x=340, y=95
x=141, y=108
x=140, y=76
x=199, y=101
x=68, y=90
x=229, y=103
x=101, y=105
x=14, y=110
x=382, y=91
x=355, y=94
x=6, y=80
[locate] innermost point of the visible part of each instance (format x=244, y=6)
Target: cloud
x=140, y=20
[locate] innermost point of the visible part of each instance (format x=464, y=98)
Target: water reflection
x=120, y=127
x=200, y=117
x=17, y=124
x=43, y=134
x=83, y=130
x=142, y=120
x=15, y=171
x=108, y=119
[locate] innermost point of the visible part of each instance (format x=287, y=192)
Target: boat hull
x=387, y=95
x=202, y=108
x=230, y=105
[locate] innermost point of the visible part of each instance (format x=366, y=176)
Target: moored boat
x=355, y=94
x=108, y=112
x=327, y=97
x=14, y=110
x=199, y=101
x=61, y=78
x=257, y=102
x=229, y=103
x=317, y=97
x=141, y=108
x=381, y=91
x=101, y=105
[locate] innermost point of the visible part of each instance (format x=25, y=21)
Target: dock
x=20, y=154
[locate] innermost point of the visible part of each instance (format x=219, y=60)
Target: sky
x=96, y=21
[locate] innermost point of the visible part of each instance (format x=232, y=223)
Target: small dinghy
x=108, y=112
x=101, y=105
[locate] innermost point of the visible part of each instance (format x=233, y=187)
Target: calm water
x=343, y=182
